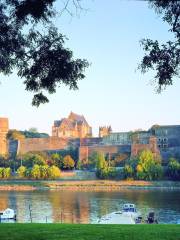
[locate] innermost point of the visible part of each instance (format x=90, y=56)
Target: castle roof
x=70, y=122
x=77, y=118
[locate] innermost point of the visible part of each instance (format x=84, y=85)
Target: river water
x=88, y=207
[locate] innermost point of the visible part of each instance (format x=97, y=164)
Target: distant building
x=75, y=126
x=4, y=128
x=104, y=131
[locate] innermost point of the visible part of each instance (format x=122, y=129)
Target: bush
x=144, y=167
x=21, y=171
x=44, y=171
x=36, y=172
x=54, y=172
x=68, y=162
x=173, y=170
x=5, y=173
x=128, y=171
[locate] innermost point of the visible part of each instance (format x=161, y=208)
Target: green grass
x=88, y=232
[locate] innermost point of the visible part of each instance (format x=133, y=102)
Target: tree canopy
x=32, y=45
x=164, y=58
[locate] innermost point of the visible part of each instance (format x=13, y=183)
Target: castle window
x=159, y=146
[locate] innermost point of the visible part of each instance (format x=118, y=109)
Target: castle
x=75, y=126
x=74, y=132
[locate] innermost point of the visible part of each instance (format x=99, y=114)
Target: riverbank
x=87, y=232
x=92, y=185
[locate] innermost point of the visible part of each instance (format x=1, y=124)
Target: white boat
x=128, y=215
x=7, y=214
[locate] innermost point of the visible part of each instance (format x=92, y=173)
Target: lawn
x=88, y=232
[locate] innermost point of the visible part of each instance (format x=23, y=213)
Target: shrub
x=21, y=171
x=68, y=162
x=173, y=170
x=36, y=172
x=54, y=172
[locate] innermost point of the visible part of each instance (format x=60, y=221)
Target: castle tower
x=104, y=131
x=4, y=127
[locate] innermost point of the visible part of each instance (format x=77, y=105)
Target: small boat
x=8, y=214
x=128, y=215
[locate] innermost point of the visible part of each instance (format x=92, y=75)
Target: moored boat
x=7, y=214
x=128, y=215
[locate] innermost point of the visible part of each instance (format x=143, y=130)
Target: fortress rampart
x=4, y=128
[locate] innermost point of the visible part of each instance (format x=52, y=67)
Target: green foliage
x=128, y=171
x=21, y=171
x=54, y=172
x=173, y=170
x=38, y=54
x=144, y=167
x=29, y=159
x=1, y=172
x=5, y=173
x=103, y=170
x=163, y=58
x=57, y=160
x=33, y=134
x=15, y=135
x=68, y=162
x=36, y=172
x=44, y=170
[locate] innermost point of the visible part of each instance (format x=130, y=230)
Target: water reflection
x=88, y=207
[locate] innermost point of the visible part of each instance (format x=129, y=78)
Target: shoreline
x=90, y=185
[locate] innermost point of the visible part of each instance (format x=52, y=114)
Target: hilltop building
x=75, y=126
x=74, y=132
x=4, y=127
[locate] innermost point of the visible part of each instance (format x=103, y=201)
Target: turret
x=104, y=131
x=4, y=128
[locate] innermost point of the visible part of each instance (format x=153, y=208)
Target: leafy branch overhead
x=39, y=56
x=164, y=59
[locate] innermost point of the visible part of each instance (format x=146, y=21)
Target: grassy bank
x=91, y=185
x=88, y=232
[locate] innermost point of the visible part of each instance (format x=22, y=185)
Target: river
x=88, y=207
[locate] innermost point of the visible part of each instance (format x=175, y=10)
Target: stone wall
x=86, y=151
x=42, y=144
x=136, y=148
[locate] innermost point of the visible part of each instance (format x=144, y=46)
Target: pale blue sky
x=113, y=93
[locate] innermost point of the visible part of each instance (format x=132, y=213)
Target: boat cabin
x=128, y=207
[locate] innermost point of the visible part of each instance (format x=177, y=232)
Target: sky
x=114, y=92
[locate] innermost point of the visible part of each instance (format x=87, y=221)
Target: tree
x=164, y=58
x=102, y=168
x=21, y=171
x=33, y=130
x=36, y=172
x=128, y=171
x=15, y=135
x=173, y=170
x=57, y=160
x=1, y=172
x=7, y=172
x=44, y=169
x=32, y=45
x=68, y=162
x=54, y=172
x=29, y=159
x=148, y=168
